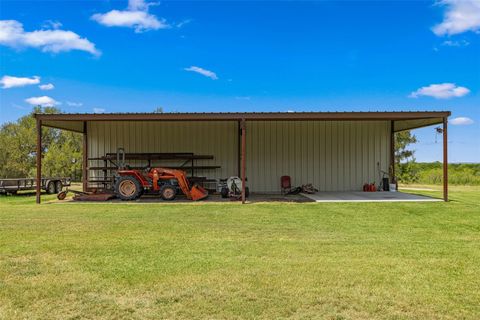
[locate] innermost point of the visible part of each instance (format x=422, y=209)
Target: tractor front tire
x=168, y=192
x=128, y=188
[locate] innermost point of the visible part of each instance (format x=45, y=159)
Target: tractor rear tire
x=168, y=192
x=128, y=188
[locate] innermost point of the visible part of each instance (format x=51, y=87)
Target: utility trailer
x=50, y=185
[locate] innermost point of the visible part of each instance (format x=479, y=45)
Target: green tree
x=405, y=166
x=64, y=156
x=18, y=148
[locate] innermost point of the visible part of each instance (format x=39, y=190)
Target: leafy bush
x=458, y=173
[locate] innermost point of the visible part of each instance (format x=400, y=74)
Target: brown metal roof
x=403, y=120
x=218, y=116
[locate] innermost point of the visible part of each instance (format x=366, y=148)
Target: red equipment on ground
x=369, y=187
x=285, y=184
x=131, y=184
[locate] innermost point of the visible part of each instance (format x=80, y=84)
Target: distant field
x=266, y=260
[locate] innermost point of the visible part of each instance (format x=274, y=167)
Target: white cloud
x=13, y=35
x=52, y=24
x=461, y=121
x=136, y=16
x=460, y=16
x=441, y=91
x=134, y=5
x=48, y=86
x=74, y=104
x=207, y=73
x=459, y=43
x=98, y=110
x=139, y=20
x=43, y=101
x=11, y=82
x=183, y=22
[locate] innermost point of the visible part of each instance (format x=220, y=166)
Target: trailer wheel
x=168, y=192
x=127, y=188
x=62, y=195
x=51, y=187
x=58, y=186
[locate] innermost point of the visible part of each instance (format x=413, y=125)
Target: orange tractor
x=131, y=184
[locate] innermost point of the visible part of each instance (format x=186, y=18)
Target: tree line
x=62, y=153
x=432, y=173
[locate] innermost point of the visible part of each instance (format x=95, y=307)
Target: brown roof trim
x=236, y=116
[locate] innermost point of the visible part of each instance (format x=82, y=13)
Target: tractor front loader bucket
x=198, y=193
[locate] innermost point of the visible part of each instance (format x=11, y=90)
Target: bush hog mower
x=131, y=184
x=232, y=188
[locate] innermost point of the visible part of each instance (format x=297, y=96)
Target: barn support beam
x=239, y=149
x=243, y=126
x=392, y=150
x=38, y=189
x=85, y=158
x=445, y=159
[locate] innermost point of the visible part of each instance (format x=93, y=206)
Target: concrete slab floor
x=326, y=196
x=253, y=198
x=322, y=196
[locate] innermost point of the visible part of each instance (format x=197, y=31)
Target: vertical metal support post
x=38, y=189
x=392, y=149
x=445, y=160
x=85, y=158
x=244, y=142
x=239, y=149
x=193, y=167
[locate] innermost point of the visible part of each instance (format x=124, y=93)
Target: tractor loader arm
x=194, y=192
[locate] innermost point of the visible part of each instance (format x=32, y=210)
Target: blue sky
x=116, y=56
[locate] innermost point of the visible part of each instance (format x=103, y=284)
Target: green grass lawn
x=218, y=261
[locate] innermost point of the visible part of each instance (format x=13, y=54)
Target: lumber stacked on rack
x=186, y=161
